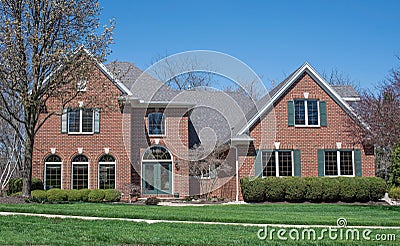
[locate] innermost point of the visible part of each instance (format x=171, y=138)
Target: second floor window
x=306, y=112
x=156, y=124
x=80, y=121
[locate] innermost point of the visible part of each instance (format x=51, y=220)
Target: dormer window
x=156, y=124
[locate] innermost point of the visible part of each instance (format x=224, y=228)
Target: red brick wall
x=101, y=93
x=124, y=134
x=307, y=139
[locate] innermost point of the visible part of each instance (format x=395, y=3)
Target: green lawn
x=21, y=230
x=307, y=214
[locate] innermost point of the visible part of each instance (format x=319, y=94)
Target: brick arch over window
x=107, y=167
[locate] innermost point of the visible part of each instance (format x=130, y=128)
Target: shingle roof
x=346, y=91
x=141, y=84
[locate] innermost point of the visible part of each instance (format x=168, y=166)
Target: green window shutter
x=357, y=159
x=64, y=121
x=321, y=163
x=322, y=113
x=213, y=171
x=297, y=162
x=290, y=113
x=96, y=120
x=258, y=164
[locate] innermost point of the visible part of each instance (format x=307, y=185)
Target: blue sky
x=359, y=38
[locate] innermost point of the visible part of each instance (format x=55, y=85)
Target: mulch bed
x=12, y=200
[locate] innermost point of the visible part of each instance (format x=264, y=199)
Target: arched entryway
x=157, y=171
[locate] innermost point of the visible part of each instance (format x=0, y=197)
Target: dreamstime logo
x=338, y=232
x=214, y=112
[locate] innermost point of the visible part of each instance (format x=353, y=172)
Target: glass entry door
x=157, y=178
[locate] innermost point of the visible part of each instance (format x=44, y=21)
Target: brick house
x=129, y=140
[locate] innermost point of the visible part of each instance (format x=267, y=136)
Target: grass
x=303, y=214
x=21, y=230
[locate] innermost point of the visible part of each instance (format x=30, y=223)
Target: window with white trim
x=208, y=172
x=52, y=172
x=339, y=162
x=277, y=163
x=306, y=112
x=156, y=124
x=107, y=172
x=80, y=172
x=80, y=121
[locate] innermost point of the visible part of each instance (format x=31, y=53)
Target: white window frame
x=338, y=163
x=306, y=113
x=164, y=122
x=277, y=162
x=45, y=172
x=115, y=175
x=204, y=174
x=171, y=160
x=72, y=173
x=80, y=122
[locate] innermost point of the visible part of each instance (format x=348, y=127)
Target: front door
x=157, y=178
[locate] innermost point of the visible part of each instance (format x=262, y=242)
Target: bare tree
x=40, y=59
x=208, y=168
x=336, y=77
x=168, y=71
x=380, y=113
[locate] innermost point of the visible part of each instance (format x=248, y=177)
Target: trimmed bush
x=348, y=189
x=15, y=185
x=112, y=195
x=363, y=191
x=56, y=195
x=39, y=196
x=394, y=193
x=96, y=196
x=295, y=190
x=377, y=188
x=274, y=189
x=313, y=189
x=331, y=189
x=152, y=201
x=74, y=195
x=85, y=194
x=254, y=190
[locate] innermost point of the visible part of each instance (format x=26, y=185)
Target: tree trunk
x=27, y=171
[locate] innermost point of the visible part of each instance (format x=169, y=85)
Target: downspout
x=237, y=173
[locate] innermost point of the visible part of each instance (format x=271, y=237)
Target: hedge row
x=313, y=189
x=15, y=185
x=83, y=195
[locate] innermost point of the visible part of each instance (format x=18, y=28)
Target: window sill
x=307, y=126
x=337, y=176
x=157, y=136
x=80, y=133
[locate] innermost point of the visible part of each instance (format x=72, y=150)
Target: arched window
x=156, y=124
x=157, y=153
x=80, y=172
x=157, y=171
x=52, y=172
x=107, y=172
